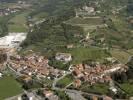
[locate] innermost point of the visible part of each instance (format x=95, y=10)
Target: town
x=66, y=50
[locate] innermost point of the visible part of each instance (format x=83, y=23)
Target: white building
x=112, y=70
x=113, y=89
x=66, y=57
x=1, y=75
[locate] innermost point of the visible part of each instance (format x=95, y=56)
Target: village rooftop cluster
x=95, y=73
x=34, y=65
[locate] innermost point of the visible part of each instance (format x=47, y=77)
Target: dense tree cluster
x=130, y=7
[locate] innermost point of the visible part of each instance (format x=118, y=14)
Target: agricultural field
x=88, y=24
x=86, y=21
x=9, y=87
x=18, y=23
x=121, y=55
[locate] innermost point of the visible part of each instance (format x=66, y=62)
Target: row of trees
x=3, y=26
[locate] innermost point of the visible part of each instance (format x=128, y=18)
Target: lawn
x=18, y=23
x=82, y=54
x=65, y=81
x=128, y=88
x=9, y=87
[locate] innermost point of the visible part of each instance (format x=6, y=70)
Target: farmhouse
x=85, y=11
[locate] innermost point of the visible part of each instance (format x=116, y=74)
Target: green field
x=18, y=23
x=82, y=54
x=65, y=81
x=9, y=87
x=97, y=88
x=128, y=88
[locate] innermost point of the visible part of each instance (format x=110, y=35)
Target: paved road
x=74, y=95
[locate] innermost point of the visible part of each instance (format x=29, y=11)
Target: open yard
x=18, y=23
x=9, y=87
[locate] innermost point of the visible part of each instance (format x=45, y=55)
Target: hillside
x=62, y=49
x=62, y=28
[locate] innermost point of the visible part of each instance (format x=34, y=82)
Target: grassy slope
x=81, y=54
x=9, y=87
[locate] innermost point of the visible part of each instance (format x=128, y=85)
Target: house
x=31, y=96
x=113, y=89
x=88, y=9
x=70, y=46
x=47, y=93
x=77, y=83
x=50, y=95
x=85, y=11
x=1, y=75
x=27, y=79
x=77, y=73
x=66, y=57
x=94, y=98
x=111, y=59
